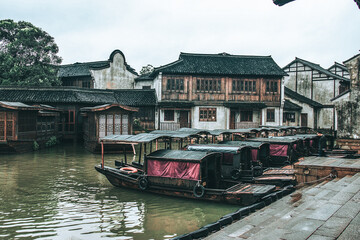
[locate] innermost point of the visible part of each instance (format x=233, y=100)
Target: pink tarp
x=278, y=150
x=254, y=153
x=182, y=170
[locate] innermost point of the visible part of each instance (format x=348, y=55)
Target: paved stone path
x=329, y=210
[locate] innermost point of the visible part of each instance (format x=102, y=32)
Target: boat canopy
x=178, y=155
x=245, y=143
x=176, y=164
x=274, y=140
x=216, y=148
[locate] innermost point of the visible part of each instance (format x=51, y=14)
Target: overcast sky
x=156, y=31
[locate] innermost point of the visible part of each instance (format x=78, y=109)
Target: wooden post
x=140, y=153
x=102, y=155
x=124, y=149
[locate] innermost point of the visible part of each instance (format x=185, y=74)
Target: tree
x=28, y=55
x=146, y=69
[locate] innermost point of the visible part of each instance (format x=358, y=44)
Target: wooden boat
x=260, y=151
x=236, y=161
x=188, y=174
x=282, y=150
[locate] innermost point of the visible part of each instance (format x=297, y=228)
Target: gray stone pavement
x=329, y=210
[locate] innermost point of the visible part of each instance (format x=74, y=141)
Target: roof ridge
x=223, y=54
x=320, y=68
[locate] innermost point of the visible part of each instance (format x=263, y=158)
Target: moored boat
x=188, y=174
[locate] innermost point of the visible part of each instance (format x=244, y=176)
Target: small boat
x=188, y=174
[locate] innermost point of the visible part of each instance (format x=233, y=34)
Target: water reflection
x=57, y=194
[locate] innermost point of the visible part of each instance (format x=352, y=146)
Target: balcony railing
x=246, y=125
x=169, y=126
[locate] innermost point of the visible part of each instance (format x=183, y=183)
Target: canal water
x=57, y=194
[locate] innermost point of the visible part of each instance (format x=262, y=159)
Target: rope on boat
x=333, y=174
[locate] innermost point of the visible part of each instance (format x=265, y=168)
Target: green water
x=57, y=194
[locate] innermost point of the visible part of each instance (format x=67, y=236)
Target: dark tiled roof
x=357, y=2
x=339, y=65
x=288, y=105
x=136, y=97
x=340, y=95
x=281, y=2
x=222, y=64
x=83, y=69
x=316, y=67
x=129, y=97
x=294, y=95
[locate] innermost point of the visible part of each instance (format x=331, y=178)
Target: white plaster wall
x=278, y=116
x=326, y=118
x=114, y=77
x=305, y=109
x=222, y=118
x=323, y=91
x=157, y=86
x=140, y=84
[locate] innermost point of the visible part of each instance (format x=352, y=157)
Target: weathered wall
x=348, y=107
x=305, y=109
x=326, y=118
x=222, y=121
x=114, y=77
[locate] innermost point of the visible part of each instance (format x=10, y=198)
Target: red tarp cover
x=278, y=150
x=254, y=153
x=171, y=169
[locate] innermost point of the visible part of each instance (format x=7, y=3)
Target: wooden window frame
x=207, y=114
x=272, y=87
x=208, y=85
x=169, y=117
x=289, y=116
x=244, y=86
x=175, y=84
x=270, y=115
x=246, y=116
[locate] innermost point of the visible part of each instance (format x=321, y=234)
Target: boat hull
x=240, y=194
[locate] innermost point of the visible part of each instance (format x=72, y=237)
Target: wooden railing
x=169, y=126
x=246, y=125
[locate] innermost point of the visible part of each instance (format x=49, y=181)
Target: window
x=272, y=86
x=289, y=116
x=270, y=115
x=247, y=86
x=246, y=116
x=85, y=84
x=175, y=84
x=207, y=114
x=206, y=85
x=169, y=115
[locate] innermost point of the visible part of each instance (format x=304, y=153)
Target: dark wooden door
x=232, y=120
x=184, y=119
x=304, y=120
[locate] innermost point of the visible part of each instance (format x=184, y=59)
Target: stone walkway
x=329, y=210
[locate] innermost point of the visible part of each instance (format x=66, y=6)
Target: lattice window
x=117, y=124
x=207, y=114
x=109, y=124
x=102, y=125
x=208, y=85
x=125, y=124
